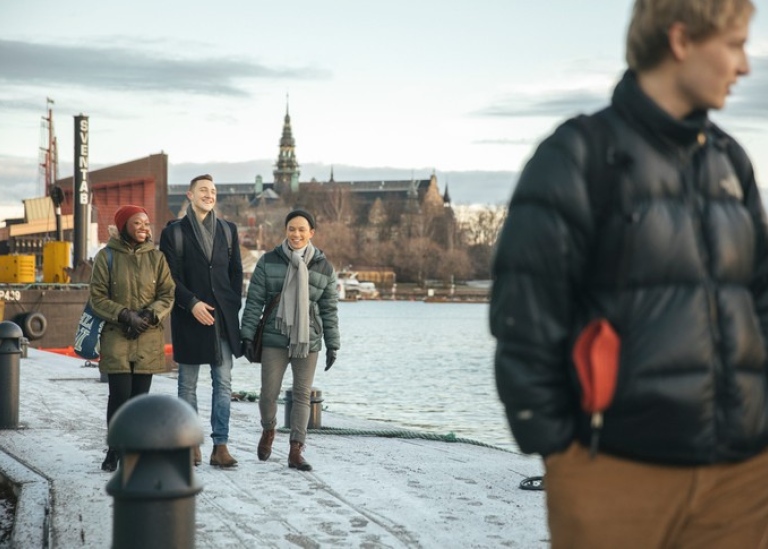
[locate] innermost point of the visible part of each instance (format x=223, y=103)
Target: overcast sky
x=385, y=89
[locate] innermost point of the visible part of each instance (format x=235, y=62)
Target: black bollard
x=10, y=354
x=315, y=408
x=154, y=485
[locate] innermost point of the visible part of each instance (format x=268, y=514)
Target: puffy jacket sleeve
x=754, y=204
x=329, y=312
x=537, y=269
x=255, y=300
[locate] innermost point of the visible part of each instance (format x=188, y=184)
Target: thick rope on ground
x=531, y=483
x=242, y=396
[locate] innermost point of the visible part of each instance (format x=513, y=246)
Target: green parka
x=267, y=281
x=139, y=279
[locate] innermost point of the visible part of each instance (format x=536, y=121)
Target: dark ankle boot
x=197, y=456
x=295, y=460
x=110, y=461
x=265, y=444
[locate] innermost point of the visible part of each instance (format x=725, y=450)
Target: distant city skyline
x=380, y=90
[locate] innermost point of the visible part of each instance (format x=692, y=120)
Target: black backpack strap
x=602, y=166
x=604, y=169
x=228, y=233
x=108, y=251
x=178, y=246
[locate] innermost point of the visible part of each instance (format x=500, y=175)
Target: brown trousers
x=606, y=502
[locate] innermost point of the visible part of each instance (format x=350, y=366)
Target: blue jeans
x=221, y=377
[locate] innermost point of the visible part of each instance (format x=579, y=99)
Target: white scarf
x=293, y=310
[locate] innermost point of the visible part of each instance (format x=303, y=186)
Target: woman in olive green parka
x=133, y=297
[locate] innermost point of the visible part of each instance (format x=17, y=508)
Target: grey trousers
x=274, y=362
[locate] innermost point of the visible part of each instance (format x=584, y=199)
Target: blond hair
x=647, y=39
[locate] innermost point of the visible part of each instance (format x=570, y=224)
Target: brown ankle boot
x=265, y=444
x=220, y=456
x=295, y=461
x=198, y=456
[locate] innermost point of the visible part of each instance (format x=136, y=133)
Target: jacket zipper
x=701, y=211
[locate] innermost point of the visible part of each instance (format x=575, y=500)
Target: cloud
x=749, y=101
x=25, y=63
x=557, y=104
x=22, y=105
x=19, y=178
x=505, y=141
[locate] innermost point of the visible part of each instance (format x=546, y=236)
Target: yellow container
x=17, y=269
x=56, y=260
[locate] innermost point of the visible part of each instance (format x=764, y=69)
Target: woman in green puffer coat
x=302, y=283
x=133, y=297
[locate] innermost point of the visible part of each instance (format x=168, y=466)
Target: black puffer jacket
x=679, y=266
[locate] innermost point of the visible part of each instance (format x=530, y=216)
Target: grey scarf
x=293, y=310
x=203, y=232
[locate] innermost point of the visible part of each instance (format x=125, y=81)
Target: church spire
x=286, y=171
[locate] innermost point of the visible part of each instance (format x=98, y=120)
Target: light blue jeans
x=221, y=377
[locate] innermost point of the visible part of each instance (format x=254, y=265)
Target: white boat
x=351, y=289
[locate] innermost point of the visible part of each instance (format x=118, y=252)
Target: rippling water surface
x=420, y=366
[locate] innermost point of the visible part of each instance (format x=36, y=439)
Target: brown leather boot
x=198, y=457
x=220, y=456
x=265, y=444
x=295, y=460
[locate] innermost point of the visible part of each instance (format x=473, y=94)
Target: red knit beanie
x=124, y=213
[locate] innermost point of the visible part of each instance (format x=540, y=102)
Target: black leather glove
x=134, y=324
x=149, y=316
x=248, y=349
x=330, y=358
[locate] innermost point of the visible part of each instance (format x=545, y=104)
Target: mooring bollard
x=315, y=408
x=10, y=353
x=154, y=485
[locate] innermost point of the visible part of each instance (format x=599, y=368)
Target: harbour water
x=426, y=367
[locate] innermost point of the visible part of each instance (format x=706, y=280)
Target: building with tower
x=404, y=202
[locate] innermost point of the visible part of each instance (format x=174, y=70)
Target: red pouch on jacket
x=596, y=356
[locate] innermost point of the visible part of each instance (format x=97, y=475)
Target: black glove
x=248, y=349
x=330, y=358
x=133, y=324
x=149, y=316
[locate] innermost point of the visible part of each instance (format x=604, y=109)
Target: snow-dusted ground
x=364, y=491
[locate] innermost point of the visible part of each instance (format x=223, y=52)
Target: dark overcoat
x=218, y=282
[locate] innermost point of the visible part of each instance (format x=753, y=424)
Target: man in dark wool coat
x=204, y=256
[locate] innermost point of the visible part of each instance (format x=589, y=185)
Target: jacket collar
x=652, y=121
